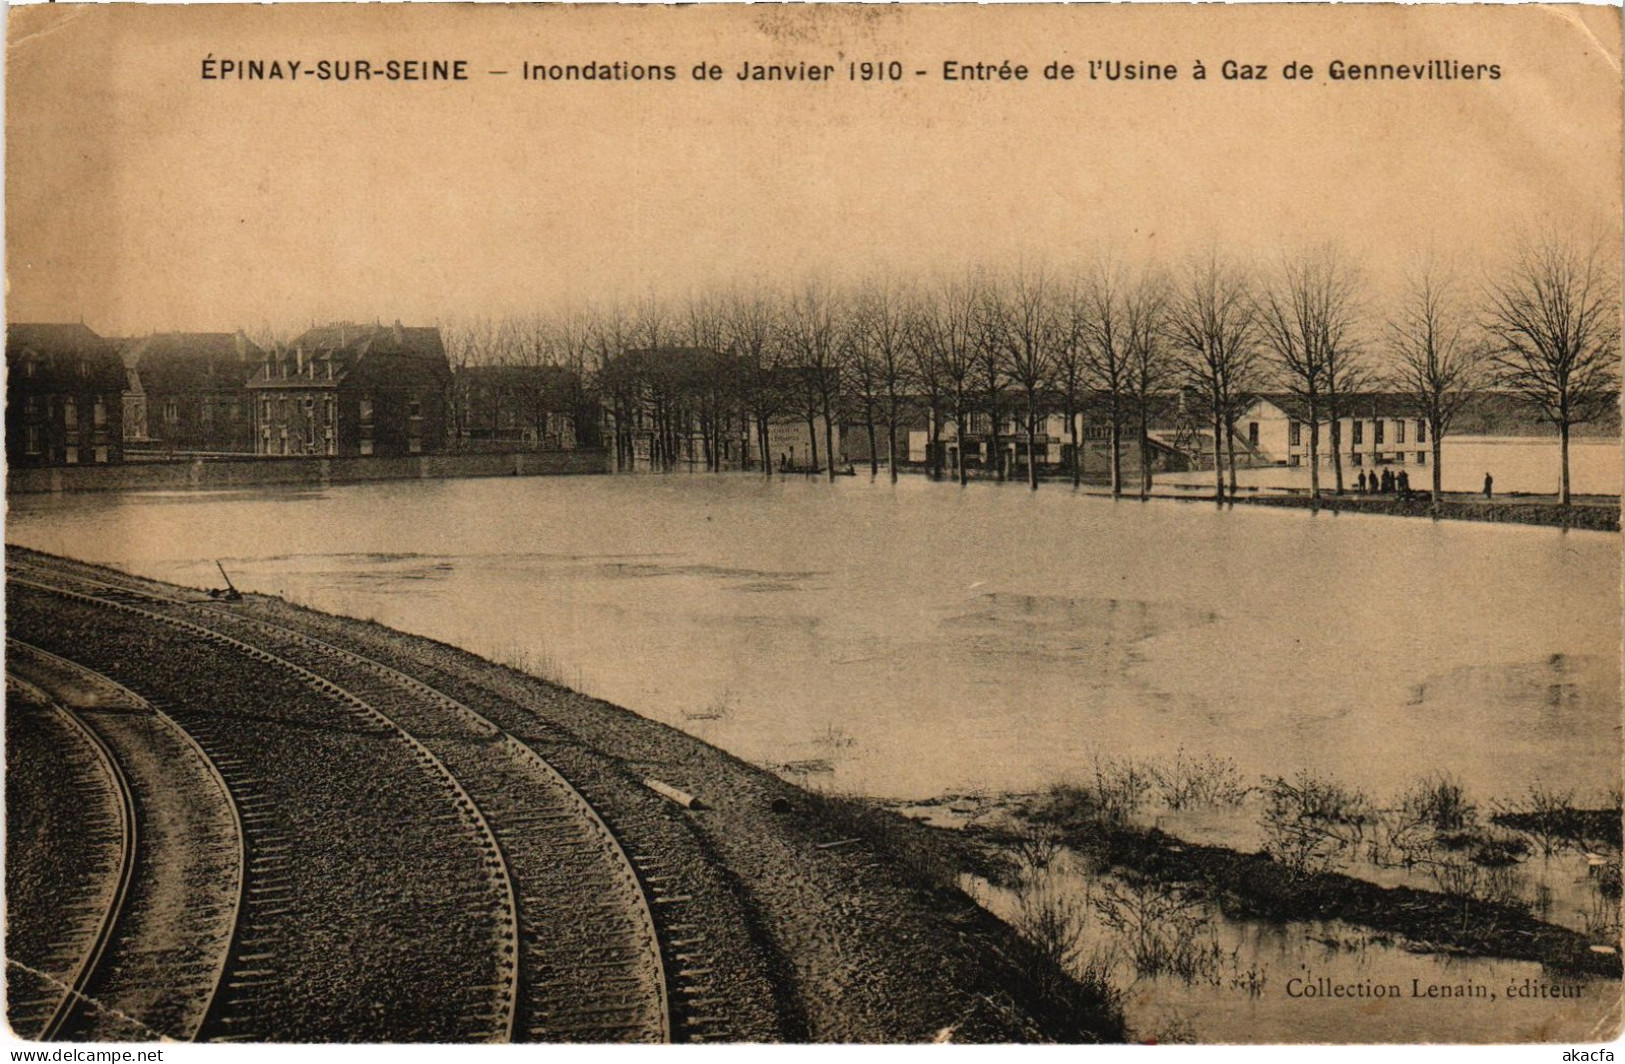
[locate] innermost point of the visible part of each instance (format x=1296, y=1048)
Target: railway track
x=581, y=949
x=46, y=976
x=151, y=970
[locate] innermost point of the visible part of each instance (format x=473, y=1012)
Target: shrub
x=1190, y=783
x=1165, y=929
x=1440, y=802
x=1312, y=824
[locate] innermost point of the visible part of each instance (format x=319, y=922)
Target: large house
x=188, y=392
x=64, y=396
x=349, y=389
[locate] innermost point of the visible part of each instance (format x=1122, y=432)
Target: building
x=64, y=396
x=533, y=406
x=349, y=389
x=1379, y=429
x=188, y=393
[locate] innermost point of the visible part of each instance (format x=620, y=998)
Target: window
x=366, y=409
x=172, y=412
x=1376, y=431
x=31, y=444
x=1399, y=432
x=1357, y=457
x=1359, y=432
x=1421, y=458
x=1252, y=433
x=366, y=446
x=101, y=455
x=415, y=444
x=98, y=414
x=72, y=455
x=31, y=406
x=1294, y=434
x=1421, y=431
x=414, y=409
x=329, y=411
x=70, y=414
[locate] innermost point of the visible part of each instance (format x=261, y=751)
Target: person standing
x=1489, y=486
x=1362, y=482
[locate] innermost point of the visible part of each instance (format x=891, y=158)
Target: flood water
x=922, y=639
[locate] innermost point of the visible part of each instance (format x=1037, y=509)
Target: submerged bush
x=1166, y=930
x=1194, y=783
x=1312, y=824
x=1440, y=802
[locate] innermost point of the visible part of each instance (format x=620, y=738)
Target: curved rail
x=74, y=991
x=215, y=776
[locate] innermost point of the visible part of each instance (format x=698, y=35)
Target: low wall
x=250, y=472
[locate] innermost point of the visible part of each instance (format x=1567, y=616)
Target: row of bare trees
x=1117, y=345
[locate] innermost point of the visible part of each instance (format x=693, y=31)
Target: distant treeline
x=1113, y=339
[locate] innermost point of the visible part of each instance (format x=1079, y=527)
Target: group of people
x=1390, y=483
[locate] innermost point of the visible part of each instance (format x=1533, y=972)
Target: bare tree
x=754, y=333
x=1303, y=317
x=880, y=333
x=813, y=325
x=1346, y=369
x=1553, y=316
x=1072, y=361
x=1023, y=313
x=1213, y=326
x=1436, y=363
x=1150, y=369
x=949, y=329
x=1106, y=355
x=989, y=357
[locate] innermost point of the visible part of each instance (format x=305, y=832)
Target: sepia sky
x=140, y=196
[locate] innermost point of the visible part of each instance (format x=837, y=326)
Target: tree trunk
x=1145, y=454
x=1230, y=453
x=1314, y=457
x=1116, y=434
x=812, y=443
x=874, y=457
x=1077, y=458
x=1337, y=451
x=1032, y=433
x=1563, y=479
x=995, y=453
x=1218, y=449
x=1438, y=473
x=829, y=440
x=891, y=445
x=959, y=444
